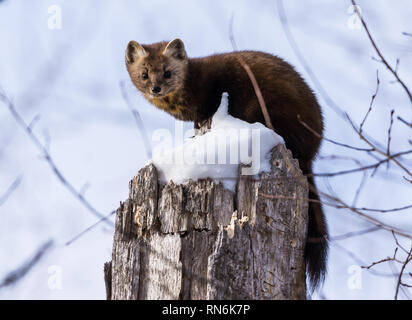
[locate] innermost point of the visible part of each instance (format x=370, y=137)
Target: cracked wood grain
x=200, y=241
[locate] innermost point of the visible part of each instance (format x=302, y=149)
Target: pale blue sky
x=70, y=77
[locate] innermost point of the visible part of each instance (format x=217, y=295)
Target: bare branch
x=138, y=120
x=88, y=229
x=389, y=157
x=388, y=259
x=10, y=190
x=372, y=166
x=407, y=260
x=389, y=136
x=354, y=234
x=368, y=218
x=268, y=196
x=360, y=262
x=14, y=276
x=330, y=140
x=45, y=153
x=409, y=124
x=371, y=103
x=383, y=60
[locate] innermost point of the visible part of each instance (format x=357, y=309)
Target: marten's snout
x=156, y=89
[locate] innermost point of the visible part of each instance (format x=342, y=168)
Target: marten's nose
x=156, y=89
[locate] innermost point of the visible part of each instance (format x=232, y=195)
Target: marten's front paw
x=201, y=127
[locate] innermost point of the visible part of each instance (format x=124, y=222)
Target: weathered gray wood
x=107, y=270
x=200, y=241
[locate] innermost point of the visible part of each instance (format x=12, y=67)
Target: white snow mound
x=218, y=153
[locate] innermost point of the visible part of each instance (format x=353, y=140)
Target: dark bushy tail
x=316, y=251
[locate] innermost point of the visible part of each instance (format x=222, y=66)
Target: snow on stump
x=198, y=240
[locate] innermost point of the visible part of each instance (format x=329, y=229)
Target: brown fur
x=194, y=91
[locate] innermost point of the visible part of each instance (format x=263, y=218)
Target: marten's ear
x=176, y=49
x=134, y=51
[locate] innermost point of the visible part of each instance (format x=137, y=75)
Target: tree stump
x=200, y=241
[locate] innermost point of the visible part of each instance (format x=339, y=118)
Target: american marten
x=190, y=89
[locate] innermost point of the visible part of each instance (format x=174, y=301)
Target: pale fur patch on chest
x=172, y=103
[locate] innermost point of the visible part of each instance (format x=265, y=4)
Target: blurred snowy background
x=70, y=76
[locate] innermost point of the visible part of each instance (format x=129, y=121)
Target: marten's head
x=159, y=69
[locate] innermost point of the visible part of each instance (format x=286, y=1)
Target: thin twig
x=14, y=276
x=398, y=244
x=407, y=260
x=354, y=234
x=270, y=196
x=371, y=103
x=316, y=134
x=389, y=157
x=372, y=166
x=360, y=262
x=383, y=60
x=368, y=218
x=409, y=124
x=138, y=120
x=378, y=262
x=290, y=38
x=359, y=189
x=88, y=229
x=389, y=136
x=10, y=190
x=45, y=153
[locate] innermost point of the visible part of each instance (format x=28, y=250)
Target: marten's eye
x=167, y=74
x=145, y=76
